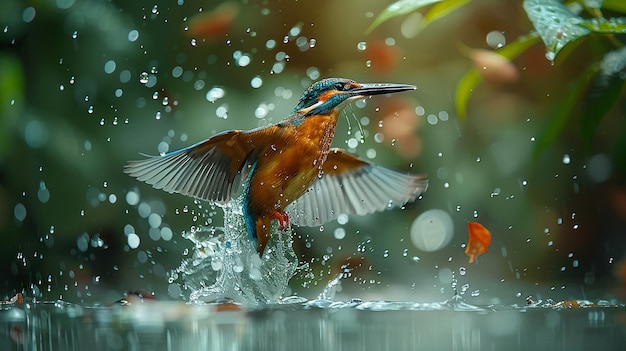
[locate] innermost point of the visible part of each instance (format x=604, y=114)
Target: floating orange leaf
x=479, y=239
x=213, y=25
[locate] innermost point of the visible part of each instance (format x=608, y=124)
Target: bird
x=287, y=171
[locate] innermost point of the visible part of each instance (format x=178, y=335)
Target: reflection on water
x=312, y=325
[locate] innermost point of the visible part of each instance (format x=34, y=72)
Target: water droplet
x=495, y=39
x=339, y=233
x=215, y=94
x=313, y=73
x=244, y=60
x=495, y=192
x=133, y=35
x=256, y=82
x=133, y=240
x=295, y=30
x=143, y=78
x=361, y=46
x=566, y=159
x=222, y=111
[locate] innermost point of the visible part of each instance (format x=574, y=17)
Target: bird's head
x=333, y=94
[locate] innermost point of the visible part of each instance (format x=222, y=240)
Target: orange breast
x=290, y=161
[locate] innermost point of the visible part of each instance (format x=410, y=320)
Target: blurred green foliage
x=559, y=24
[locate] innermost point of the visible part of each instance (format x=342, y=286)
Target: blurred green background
x=87, y=85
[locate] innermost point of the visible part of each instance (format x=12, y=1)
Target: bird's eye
x=342, y=86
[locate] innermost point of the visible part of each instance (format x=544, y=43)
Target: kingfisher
x=288, y=170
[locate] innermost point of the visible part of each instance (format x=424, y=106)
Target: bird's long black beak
x=381, y=88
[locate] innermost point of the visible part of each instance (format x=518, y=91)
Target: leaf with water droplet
x=604, y=25
x=556, y=24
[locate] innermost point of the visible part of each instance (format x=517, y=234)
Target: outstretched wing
x=353, y=186
x=206, y=170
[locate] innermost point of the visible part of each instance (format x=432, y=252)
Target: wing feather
x=353, y=186
x=206, y=170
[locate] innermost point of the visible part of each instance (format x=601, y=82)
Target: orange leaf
x=479, y=239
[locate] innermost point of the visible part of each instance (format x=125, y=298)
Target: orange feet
x=283, y=219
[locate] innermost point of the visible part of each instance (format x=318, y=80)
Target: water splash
x=225, y=264
x=331, y=288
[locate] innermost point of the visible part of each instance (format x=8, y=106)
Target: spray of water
x=224, y=264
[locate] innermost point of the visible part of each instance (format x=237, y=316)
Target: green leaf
x=441, y=10
x=619, y=151
x=605, y=91
x=615, y=5
x=521, y=44
x=464, y=90
x=556, y=24
x=564, y=110
x=471, y=79
x=399, y=8
x=12, y=97
x=603, y=25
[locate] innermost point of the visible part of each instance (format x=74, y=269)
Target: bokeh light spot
x=19, y=211
x=133, y=240
x=432, y=230
x=36, y=134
